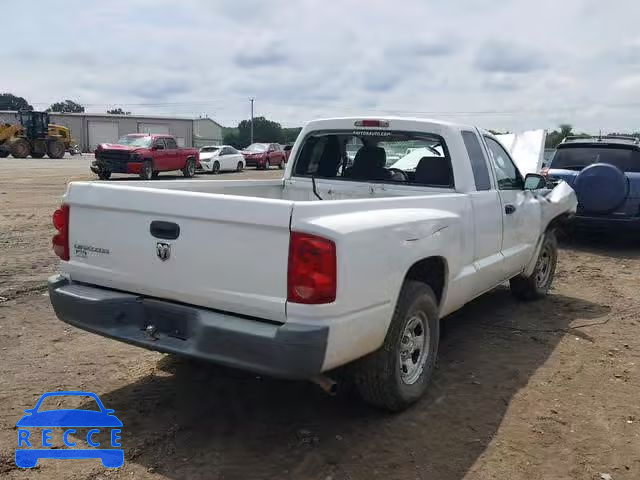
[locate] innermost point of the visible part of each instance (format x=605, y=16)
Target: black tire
x=189, y=169
x=20, y=148
x=267, y=165
x=381, y=378
x=281, y=164
x=4, y=153
x=104, y=174
x=55, y=149
x=146, y=172
x=215, y=168
x=239, y=167
x=539, y=282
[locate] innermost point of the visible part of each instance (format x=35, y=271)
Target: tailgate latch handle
x=164, y=230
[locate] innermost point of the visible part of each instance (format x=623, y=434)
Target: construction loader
x=34, y=136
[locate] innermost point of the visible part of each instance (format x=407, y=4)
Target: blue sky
x=508, y=65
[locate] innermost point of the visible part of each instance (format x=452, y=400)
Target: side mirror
x=534, y=181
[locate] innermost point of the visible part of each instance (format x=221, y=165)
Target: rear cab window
x=380, y=156
x=577, y=157
x=170, y=143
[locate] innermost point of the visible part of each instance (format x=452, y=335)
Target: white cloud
x=511, y=65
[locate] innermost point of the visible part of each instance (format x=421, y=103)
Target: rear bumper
x=290, y=350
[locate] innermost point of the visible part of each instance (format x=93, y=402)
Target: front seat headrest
x=435, y=171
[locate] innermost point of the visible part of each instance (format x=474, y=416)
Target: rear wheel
x=281, y=164
x=539, y=282
x=55, y=149
x=239, y=167
x=397, y=375
x=189, y=169
x=146, y=172
x=215, y=168
x=4, y=153
x=20, y=148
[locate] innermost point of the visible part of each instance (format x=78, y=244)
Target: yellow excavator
x=34, y=136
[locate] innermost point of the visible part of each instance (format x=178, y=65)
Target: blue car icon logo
x=33, y=446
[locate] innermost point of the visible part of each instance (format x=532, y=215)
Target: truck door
x=521, y=217
x=487, y=218
x=174, y=159
x=160, y=160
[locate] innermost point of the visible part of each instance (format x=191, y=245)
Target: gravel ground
x=542, y=390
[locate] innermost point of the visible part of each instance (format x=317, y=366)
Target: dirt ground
x=542, y=390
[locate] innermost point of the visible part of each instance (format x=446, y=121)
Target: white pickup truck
x=346, y=260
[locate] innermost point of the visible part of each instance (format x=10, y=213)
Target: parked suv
x=605, y=174
x=264, y=155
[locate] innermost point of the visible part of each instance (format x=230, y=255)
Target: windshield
x=379, y=156
x=135, y=140
x=576, y=158
x=257, y=147
x=208, y=149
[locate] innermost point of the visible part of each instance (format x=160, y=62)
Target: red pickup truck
x=144, y=154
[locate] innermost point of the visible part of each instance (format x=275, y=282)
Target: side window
x=159, y=142
x=232, y=151
x=170, y=143
x=478, y=162
x=507, y=174
x=224, y=151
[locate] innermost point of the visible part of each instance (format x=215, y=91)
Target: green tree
x=117, y=111
x=264, y=130
x=289, y=135
x=9, y=101
x=66, y=106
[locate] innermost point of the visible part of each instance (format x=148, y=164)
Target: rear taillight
x=61, y=239
x=371, y=123
x=312, y=269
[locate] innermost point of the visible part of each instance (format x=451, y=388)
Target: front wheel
x=55, y=149
x=215, y=168
x=189, y=169
x=146, y=172
x=281, y=165
x=539, y=282
x=397, y=375
x=104, y=174
x=239, y=167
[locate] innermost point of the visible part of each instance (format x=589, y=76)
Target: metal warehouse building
x=91, y=129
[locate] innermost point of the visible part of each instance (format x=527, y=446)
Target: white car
x=324, y=267
x=221, y=158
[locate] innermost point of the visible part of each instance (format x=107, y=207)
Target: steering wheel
x=392, y=170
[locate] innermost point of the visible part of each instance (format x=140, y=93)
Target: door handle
x=164, y=230
x=509, y=209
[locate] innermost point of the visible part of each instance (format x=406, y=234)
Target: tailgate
x=230, y=254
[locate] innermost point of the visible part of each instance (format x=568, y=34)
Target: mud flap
x=554, y=203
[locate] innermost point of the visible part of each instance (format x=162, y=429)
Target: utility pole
x=252, y=100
